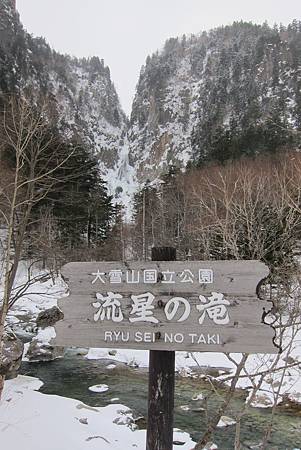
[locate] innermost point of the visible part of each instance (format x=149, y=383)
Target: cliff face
x=81, y=90
x=199, y=91
x=230, y=92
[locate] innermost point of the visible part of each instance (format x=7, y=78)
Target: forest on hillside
x=208, y=164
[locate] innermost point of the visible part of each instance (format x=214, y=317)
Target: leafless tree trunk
x=26, y=136
x=211, y=427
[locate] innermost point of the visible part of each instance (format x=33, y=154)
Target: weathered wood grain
x=251, y=339
x=238, y=280
x=230, y=277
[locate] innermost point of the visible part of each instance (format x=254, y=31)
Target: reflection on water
x=73, y=375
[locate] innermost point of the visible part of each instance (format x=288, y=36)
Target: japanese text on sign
x=109, y=307
x=152, y=276
x=166, y=305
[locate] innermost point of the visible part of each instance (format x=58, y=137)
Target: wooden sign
x=191, y=306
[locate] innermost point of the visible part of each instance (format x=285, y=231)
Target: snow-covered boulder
x=11, y=357
x=41, y=349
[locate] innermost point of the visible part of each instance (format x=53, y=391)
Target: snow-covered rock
x=225, y=421
x=11, y=355
x=41, y=349
x=99, y=388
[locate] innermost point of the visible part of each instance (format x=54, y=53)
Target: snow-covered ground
x=33, y=421
x=44, y=295
x=27, y=415
x=39, y=296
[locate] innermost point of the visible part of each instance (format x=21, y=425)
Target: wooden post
x=161, y=384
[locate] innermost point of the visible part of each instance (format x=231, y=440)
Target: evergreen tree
x=80, y=204
x=145, y=218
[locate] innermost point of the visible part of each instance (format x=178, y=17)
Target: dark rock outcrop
x=41, y=351
x=11, y=357
x=49, y=317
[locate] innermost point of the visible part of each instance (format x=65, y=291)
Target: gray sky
x=124, y=32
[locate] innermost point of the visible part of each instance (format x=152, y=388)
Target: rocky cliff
x=233, y=91
x=202, y=97
x=81, y=90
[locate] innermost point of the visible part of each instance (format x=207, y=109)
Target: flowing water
x=73, y=375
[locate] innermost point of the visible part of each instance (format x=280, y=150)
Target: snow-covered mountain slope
x=164, y=113
x=200, y=92
x=233, y=91
x=83, y=96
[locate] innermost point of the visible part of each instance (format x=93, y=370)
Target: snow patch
x=99, y=388
x=27, y=417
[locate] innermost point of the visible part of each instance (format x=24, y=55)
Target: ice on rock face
x=184, y=94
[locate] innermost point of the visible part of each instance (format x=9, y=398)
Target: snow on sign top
x=174, y=305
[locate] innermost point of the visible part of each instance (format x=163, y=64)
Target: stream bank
x=72, y=376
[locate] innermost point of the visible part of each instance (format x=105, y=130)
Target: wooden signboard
x=191, y=306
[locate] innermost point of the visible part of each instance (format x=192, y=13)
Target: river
x=72, y=375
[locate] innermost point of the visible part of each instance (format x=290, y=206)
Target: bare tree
x=251, y=210
x=32, y=150
x=247, y=210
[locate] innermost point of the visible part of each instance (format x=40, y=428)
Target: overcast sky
x=124, y=32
